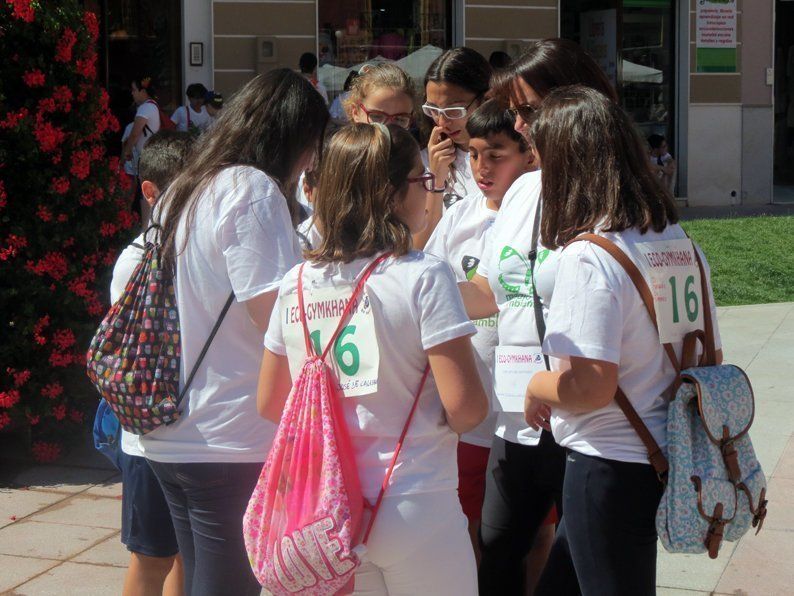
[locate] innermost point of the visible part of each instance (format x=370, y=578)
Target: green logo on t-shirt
x=469, y=266
x=515, y=274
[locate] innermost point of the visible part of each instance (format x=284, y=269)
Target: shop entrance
x=784, y=102
x=634, y=42
x=139, y=38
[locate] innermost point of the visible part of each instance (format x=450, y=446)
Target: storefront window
x=633, y=41
x=142, y=38
x=355, y=32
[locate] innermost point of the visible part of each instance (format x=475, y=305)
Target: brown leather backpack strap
x=655, y=455
x=710, y=351
x=637, y=279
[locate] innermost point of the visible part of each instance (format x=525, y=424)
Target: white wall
x=197, y=27
x=714, y=155
x=757, y=155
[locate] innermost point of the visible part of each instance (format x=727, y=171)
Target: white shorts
x=419, y=545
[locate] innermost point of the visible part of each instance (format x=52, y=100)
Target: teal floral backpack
x=134, y=357
x=715, y=488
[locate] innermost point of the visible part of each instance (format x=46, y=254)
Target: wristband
x=440, y=190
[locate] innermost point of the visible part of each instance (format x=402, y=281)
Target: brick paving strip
x=59, y=524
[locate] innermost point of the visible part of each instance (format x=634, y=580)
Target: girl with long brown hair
x=370, y=200
x=516, y=279
x=455, y=84
x=597, y=179
x=228, y=238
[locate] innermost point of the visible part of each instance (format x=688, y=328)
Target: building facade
x=700, y=72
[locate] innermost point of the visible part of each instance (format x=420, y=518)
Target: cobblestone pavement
x=59, y=524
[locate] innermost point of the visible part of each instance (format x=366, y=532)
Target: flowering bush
x=64, y=210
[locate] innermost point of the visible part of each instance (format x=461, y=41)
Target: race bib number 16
x=354, y=356
x=672, y=268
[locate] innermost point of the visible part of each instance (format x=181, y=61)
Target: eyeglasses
x=525, y=110
x=428, y=180
x=453, y=113
x=403, y=120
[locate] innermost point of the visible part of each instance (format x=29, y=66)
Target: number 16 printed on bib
x=672, y=270
x=355, y=356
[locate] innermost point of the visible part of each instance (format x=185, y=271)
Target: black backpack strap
x=206, y=347
x=540, y=323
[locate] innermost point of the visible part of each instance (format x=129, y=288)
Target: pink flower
x=21, y=377
x=59, y=412
x=23, y=10
x=48, y=136
x=52, y=390
x=43, y=213
x=81, y=165
x=53, y=264
x=5, y=420
x=91, y=25
x=45, y=452
x=33, y=78
x=63, y=50
x=9, y=398
x=63, y=338
x=60, y=185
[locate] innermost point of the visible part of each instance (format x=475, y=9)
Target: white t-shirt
x=301, y=197
x=461, y=182
x=241, y=239
x=597, y=313
x=308, y=234
x=505, y=264
x=122, y=271
x=129, y=165
x=200, y=119
x=416, y=306
x=151, y=113
x=459, y=239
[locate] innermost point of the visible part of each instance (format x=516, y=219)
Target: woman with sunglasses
x=455, y=85
x=516, y=279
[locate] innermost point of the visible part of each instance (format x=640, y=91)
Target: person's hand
x=536, y=413
x=440, y=155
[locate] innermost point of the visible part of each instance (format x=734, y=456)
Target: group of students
x=519, y=473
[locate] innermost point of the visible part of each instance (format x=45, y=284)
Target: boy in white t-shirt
x=192, y=117
x=146, y=527
x=498, y=156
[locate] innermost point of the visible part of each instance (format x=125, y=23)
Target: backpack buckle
x=715, y=532
x=730, y=456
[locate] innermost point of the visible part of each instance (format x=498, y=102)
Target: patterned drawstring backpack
x=303, y=524
x=715, y=488
x=133, y=359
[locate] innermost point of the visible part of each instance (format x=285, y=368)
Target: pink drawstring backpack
x=303, y=523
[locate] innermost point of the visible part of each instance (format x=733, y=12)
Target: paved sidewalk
x=59, y=524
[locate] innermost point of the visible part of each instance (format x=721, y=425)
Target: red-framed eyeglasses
x=428, y=180
x=403, y=120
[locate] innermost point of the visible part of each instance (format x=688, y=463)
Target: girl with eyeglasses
x=455, y=85
x=515, y=278
x=382, y=94
x=370, y=200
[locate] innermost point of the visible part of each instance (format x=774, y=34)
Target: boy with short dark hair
x=146, y=527
x=192, y=117
x=499, y=155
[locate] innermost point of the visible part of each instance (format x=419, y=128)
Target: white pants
x=419, y=545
